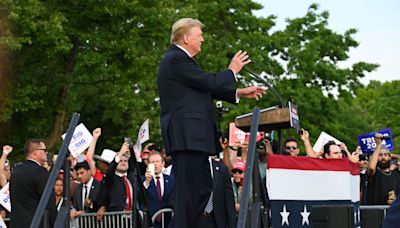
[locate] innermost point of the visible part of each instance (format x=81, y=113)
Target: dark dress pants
x=193, y=187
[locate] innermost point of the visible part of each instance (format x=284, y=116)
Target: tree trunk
x=61, y=116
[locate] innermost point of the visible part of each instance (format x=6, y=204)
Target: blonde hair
x=181, y=27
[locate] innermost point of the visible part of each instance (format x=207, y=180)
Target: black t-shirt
x=380, y=185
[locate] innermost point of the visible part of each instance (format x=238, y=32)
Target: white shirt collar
x=89, y=183
x=121, y=174
x=183, y=49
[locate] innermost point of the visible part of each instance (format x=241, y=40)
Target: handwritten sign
x=80, y=140
x=368, y=144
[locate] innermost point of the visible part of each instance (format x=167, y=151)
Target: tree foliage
x=100, y=58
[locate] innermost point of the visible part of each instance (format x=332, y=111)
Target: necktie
x=84, y=196
x=210, y=206
x=158, y=188
x=128, y=194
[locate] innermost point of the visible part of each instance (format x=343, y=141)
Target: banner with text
x=368, y=144
x=80, y=140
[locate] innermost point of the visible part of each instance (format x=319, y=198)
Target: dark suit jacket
x=186, y=98
x=224, y=202
x=154, y=203
x=392, y=219
x=113, y=189
x=94, y=195
x=27, y=184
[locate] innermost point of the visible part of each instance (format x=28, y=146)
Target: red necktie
x=159, y=188
x=128, y=194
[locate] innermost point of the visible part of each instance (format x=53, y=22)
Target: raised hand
x=7, y=149
x=96, y=133
x=239, y=60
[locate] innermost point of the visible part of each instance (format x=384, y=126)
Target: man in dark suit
x=223, y=210
x=392, y=219
x=158, y=188
x=187, y=115
x=118, y=184
x=87, y=193
x=27, y=184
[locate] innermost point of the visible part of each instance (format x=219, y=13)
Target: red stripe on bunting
x=306, y=163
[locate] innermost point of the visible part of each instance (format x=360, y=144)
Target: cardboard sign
x=322, y=140
x=235, y=134
x=5, y=197
x=80, y=140
x=143, y=134
x=368, y=144
x=260, y=135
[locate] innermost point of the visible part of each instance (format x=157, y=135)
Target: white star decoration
x=285, y=216
x=305, y=215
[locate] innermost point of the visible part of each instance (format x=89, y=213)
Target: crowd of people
x=106, y=183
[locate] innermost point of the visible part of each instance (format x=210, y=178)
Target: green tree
x=101, y=60
x=379, y=105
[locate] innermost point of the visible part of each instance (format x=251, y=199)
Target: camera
x=362, y=157
x=218, y=104
x=260, y=145
x=384, y=137
x=155, y=147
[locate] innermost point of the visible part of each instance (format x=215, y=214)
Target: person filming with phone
x=158, y=187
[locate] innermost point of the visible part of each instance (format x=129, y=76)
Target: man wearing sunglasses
x=27, y=184
x=291, y=147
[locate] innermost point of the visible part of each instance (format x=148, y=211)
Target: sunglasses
x=291, y=147
x=45, y=150
x=237, y=171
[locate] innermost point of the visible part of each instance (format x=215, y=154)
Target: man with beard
x=383, y=184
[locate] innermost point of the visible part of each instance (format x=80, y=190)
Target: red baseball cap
x=239, y=166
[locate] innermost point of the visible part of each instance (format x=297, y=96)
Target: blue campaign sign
x=368, y=144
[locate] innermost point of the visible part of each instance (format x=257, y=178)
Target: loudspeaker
x=372, y=218
x=332, y=216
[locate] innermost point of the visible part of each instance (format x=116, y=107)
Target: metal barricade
x=110, y=220
x=383, y=208
x=115, y=219
x=162, y=213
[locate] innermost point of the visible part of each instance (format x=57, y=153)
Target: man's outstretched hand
x=251, y=92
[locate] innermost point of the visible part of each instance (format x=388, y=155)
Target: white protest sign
x=2, y=224
x=322, y=140
x=5, y=197
x=143, y=134
x=80, y=140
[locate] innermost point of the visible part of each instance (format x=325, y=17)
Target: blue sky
x=377, y=22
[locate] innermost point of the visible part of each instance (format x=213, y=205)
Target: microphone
x=260, y=80
x=230, y=55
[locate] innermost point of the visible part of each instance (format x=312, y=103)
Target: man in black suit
x=392, y=219
x=87, y=193
x=223, y=210
x=187, y=115
x=27, y=184
x=158, y=187
x=118, y=184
